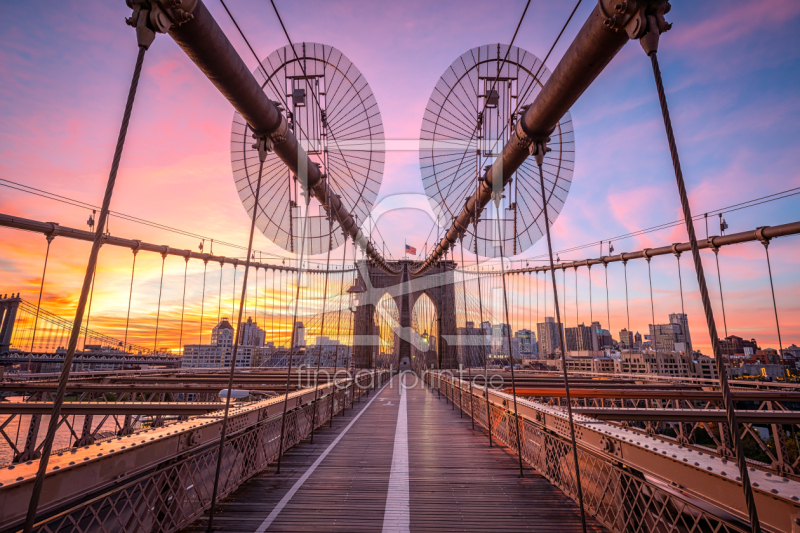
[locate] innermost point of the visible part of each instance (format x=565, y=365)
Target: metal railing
x=619, y=497
x=177, y=492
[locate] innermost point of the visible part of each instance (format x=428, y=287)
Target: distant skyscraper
x=250, y=334
x=526, y=340
x=486, y=327
x=580, y=338
x=299, y=334
x=667, y=338
x=625, y=339
x=500, y=339
x=549, y=338
x=470, y=345
x=683, y=321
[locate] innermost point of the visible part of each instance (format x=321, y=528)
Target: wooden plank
x=457, y=483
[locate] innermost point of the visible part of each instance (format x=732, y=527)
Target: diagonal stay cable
x=235, y=347
x=55, y=416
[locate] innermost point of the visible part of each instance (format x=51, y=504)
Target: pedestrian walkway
x=401, y=460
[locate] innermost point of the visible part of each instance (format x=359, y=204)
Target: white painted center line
x=396, y=516
x=299, y=483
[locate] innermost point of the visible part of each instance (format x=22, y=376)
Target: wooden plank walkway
x=455, y=481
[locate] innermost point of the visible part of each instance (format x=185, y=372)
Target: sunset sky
x=731, y=71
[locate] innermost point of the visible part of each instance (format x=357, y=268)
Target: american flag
x=411, y=250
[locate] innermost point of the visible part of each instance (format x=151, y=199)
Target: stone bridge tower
x=405, y=289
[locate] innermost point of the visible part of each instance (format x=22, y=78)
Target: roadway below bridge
x=402, y=460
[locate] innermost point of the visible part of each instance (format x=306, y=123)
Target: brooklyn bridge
x=307, y=376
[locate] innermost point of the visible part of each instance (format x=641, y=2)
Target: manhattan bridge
x=408, y=413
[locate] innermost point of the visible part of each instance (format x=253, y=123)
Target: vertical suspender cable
x=652, y=305
x=627, y=308
x=264, y=305
x=591, y=306
x=508, y=335
x=540, y=151
x=322, y=326
x=158, y=312
x=219, y=313
x=294, y=332
x=577, y=307
x=203, y=296
x=765, y=242
x=467, y=347
x=338, y=328
x=47, y=445
x=183, y=301
x=483, y=335
x=272, y=314
x=233, y=289
x=680, y=285
x=39, y=305
x=237, y=335
x=130, y=296
x=608, y=305
x=89, y=316
x=715, y=249
x=650, y=43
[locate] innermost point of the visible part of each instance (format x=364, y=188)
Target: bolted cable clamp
x=264, y=146
x=158, y=16
x=760, y=236
x=632, y=16
x=538, y=149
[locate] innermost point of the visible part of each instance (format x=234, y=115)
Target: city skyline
x=71, y=95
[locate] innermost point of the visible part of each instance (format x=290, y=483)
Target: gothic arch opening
x=387, y=324
x=425, y=336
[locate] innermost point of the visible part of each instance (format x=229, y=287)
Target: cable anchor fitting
x=263, y=144
x=157, y=16
x=538, y=149
x=632, y=16
x=760, y=236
